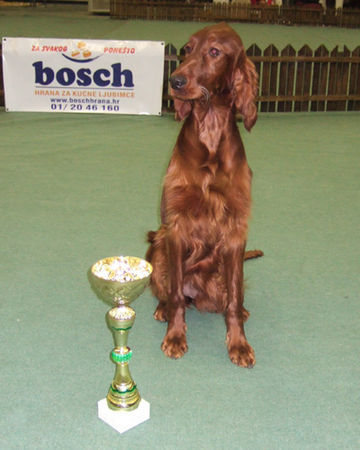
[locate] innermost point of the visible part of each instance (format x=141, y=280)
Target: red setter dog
x=198, y=252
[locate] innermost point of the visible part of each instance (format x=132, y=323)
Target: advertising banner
x=83, y=76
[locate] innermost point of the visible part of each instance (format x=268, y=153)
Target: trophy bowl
x=119, y=280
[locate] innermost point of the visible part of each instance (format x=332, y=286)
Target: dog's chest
x=216, y=192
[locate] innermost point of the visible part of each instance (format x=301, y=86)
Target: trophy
x=119, y=280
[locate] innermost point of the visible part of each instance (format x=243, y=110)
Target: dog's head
x=215, y=64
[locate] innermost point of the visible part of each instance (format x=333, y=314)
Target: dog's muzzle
x=177, y=82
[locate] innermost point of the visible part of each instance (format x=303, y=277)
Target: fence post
x=170, y=64
x=303, y=79
x=332, y=105
x=287, y=79
x=354, y=85
x=343, y=79
x=320, y=74
x=269, y=82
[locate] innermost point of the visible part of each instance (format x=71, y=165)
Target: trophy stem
x=123, y=394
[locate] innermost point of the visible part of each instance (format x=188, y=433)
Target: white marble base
x=123, y=420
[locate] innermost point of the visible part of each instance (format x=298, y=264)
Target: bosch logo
x=114, y=76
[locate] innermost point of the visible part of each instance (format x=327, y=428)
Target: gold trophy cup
x=119, y=280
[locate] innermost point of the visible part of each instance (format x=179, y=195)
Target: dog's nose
x=177, y=82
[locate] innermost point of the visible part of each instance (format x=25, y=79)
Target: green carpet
x=75, y=188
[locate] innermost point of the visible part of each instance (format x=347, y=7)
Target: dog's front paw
x=175, y=346
x=242, y=355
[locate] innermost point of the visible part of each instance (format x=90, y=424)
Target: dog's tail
x=251, y=254
x=151, y=237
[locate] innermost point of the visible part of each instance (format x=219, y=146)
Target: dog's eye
x=214, y=52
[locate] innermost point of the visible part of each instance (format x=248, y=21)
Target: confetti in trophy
x=119, y=280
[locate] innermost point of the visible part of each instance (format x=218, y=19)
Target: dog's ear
x=182, y=109
x=245, y=88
